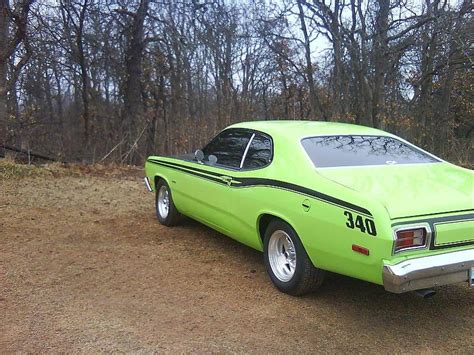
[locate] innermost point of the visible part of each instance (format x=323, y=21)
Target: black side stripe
x=433, y=214
x=185, y=166
x=303, y=190
x=456, y=218
x=185, y=170
x=252, y=182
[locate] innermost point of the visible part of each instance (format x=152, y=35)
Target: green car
x=320, y=196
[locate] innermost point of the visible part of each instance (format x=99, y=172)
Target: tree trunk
x=315, y=104
x=84, y=76
x=339, y=94
x=3, y=69
x=380, y=61
x=133, y=106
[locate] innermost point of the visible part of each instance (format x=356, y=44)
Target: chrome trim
x=426, y=226
x=147, y=184
x=246, y=150
x=228, y=180
x=428, y=271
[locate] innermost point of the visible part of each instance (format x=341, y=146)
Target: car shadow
x=335, y=286
x=358, y=307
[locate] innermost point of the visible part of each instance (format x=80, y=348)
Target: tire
x=292, y=272
x=166, y=211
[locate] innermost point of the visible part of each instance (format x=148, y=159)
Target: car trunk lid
x=411, y=190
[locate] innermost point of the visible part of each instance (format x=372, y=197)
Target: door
x=245, y=203
x=210, y=191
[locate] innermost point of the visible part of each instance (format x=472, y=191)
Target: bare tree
x=115, y=80
x=133, y=105
x=74, y=17
x=13, y=34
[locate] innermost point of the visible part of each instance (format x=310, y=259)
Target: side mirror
x=199, y=155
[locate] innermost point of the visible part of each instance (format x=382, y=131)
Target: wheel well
x=157, y=178
x=263, y=222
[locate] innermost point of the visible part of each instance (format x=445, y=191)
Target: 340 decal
x=365, y=225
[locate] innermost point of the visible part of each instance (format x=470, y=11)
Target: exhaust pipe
x=426, y=293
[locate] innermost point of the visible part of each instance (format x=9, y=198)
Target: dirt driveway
x=84, y=266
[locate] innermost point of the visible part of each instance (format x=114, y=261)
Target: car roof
x=301, y=129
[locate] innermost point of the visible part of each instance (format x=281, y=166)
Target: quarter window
x=259, y=153
x=228, y=147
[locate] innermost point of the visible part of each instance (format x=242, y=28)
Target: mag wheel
x=286, y=261
x=282, y=255
x=166, y=211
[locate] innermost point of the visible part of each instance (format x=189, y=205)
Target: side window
x=259, y=153
x=228, y=147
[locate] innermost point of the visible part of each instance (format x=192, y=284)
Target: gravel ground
x=85, y=266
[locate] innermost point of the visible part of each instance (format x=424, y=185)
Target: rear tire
x=287, y=262
x=166, y=211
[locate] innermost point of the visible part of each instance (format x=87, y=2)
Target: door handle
x=227, y=180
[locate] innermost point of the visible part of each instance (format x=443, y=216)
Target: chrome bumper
x=429, y=271
x=147, y=184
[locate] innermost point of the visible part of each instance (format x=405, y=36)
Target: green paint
x=392, y=194
x=449, y=233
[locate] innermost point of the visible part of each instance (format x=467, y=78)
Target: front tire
x=287, y=262
x=166, y=211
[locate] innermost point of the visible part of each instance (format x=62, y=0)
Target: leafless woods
x=120, y=79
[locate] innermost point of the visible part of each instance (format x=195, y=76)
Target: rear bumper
x=429, y=271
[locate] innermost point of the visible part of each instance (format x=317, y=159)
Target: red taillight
x=410, y=238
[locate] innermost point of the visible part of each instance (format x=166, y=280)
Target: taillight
x=410, y=238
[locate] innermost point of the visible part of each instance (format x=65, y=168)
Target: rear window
x=336, y=151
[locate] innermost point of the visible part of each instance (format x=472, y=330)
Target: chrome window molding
x=246, y=150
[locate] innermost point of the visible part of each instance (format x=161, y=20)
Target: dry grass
x=9, y=169
x=86, y=268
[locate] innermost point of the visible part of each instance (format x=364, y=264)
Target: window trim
x=253, y=133
x=246, y=151
x=438, y=159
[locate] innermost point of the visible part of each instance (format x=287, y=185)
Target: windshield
x=337, y=151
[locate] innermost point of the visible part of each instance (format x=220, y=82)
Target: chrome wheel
x=163, y=202
x=282, y=255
